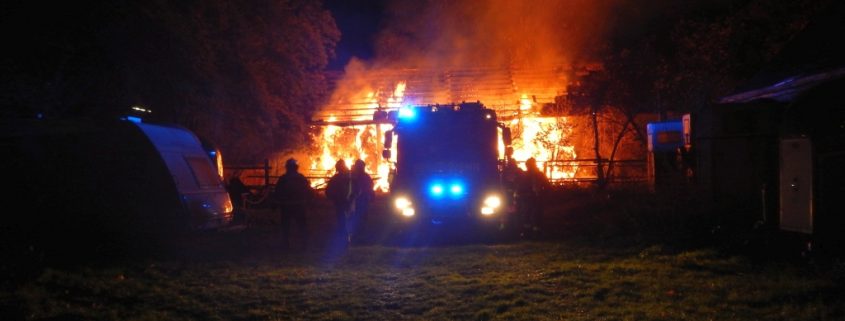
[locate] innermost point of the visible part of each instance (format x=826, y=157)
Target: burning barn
x=527, y=102
x=517, y=58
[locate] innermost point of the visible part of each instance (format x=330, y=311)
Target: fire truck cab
x=447, y=166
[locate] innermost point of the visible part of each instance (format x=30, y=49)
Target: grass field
x=243, y=276
x=523, y=281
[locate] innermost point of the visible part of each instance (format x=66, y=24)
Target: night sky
x=358, y=21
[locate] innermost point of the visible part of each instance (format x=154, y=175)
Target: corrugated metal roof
x=815, y=56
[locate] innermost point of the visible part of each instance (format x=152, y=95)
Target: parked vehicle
x=197, y=180
x=447, y=163
x=88, y=183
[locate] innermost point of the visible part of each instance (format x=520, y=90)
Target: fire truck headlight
x=487, y=210
x=402, y=203
x=408, y=211
x=493, y=202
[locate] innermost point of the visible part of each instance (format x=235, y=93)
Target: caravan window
x=205, y=176
x=669, y=137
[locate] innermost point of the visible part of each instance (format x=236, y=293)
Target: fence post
x=266, y=172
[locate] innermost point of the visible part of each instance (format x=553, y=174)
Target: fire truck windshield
x=450, y=137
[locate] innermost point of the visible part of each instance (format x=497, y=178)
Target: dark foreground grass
x=594, y=258
x=519, y=281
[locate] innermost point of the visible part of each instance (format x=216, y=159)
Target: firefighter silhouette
x=362, y=194
x=292, y=196
x=339, y=192
x=531, y=187
x=510, y=178
x=238, y=193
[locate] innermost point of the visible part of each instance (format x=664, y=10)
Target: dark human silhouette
x=529, y=195
x=510, y=178
x=238, y=192
x=686, y=162
x=362, y=195
x=293, y=195
x=339, y=192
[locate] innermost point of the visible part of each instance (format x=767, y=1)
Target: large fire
x=343, y=137
x=512, y=56
x=546, y=139
x=353, y=142
x=335, y=145
x=515, y=57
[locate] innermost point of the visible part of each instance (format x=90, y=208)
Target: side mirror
x=388, y=139
x=506, y=136
x=388, y=143
x=379, y=116
x=507, y=141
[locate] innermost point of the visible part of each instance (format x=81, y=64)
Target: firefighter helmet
x=359, y=166
x=531, y=162
x=340, y=166
x=291, y=164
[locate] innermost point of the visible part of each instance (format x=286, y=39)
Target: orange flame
x=362, y=142
x=546, y=139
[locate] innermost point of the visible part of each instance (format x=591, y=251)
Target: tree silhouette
x=245, y=75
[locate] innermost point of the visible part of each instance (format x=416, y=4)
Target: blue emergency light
x=407, y=113
x=134, y=119
x=456, y=189
x=437, y=189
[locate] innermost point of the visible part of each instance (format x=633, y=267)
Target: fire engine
x=447, y=166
